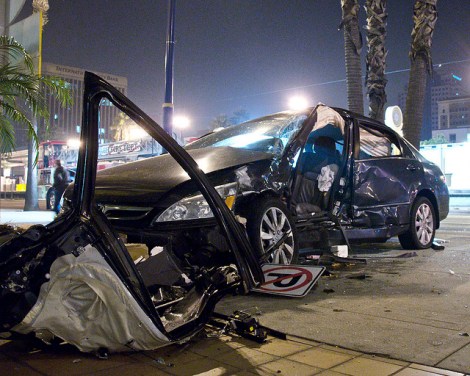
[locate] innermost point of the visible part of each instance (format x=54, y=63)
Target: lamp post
x=169, y=60
x=31, y=197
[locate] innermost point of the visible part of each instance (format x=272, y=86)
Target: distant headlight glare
x=196, y=206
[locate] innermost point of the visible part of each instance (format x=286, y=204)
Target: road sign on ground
x=289, y=280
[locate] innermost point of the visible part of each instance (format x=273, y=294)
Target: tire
x=422, y=229
x=268, y=222
x=50, y=199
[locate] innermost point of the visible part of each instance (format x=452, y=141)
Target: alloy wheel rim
x=424, y=224
x=274, y=225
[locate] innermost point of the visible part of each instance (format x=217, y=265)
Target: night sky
x=232, y=54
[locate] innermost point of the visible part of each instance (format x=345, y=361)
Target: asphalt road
x=413, y=306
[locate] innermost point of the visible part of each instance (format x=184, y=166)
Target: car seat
x=311, y=199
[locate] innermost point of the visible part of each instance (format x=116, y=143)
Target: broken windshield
x=269, y=134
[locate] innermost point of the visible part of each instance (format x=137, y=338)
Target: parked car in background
x=50, y=194
x=298, y=179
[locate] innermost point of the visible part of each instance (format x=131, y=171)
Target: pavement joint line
x=373, y=354
x=24, y=363
x=403, y=321
x=449, y=355
x=320, y=343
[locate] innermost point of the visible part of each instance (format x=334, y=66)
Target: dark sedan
x=296, y=180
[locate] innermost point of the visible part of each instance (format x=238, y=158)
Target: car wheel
x=50, y=199
x=272, y=232
x=420, y=235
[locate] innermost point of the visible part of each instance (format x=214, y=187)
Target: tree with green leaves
x=436, y=140
x=239, y=116
x=21, y=93
x=376, y=55
x=352, y=54
x=122, y=127
x=424, y=20
x=22, y=101
x=220, y=121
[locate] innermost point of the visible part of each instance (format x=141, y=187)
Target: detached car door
x=76, y=279
x=385, y=177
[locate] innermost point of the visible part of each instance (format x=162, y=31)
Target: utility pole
x=169, y=60
x=31, y=196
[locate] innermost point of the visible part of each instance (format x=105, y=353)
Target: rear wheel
x=422, y=229
x=50, y=198
x=272, y=232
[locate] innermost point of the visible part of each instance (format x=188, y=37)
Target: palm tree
x=122, y=127
x=376, y=55
x=22, y=99
x=352, y=54
x=21, y=93
x=424, y=20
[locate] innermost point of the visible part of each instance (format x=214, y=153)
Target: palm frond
x=10, y=48
x=7, y=136
x=60, y=88
x=12, y=112
x=22, y=94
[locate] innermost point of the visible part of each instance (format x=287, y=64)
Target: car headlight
x=196, y=206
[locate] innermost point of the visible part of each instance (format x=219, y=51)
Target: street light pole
x=169, y=60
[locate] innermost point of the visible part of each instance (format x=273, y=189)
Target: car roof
x=354, y=115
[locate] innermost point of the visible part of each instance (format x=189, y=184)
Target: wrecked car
x=296, y=179
x=80, y=280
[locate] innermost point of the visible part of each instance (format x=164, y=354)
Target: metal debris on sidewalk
x=437, y=244
x=359, y=276
x=161, y=361
x=241, y=323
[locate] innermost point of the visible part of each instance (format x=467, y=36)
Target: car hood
x=148, y=179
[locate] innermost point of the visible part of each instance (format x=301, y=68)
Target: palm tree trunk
x=31, y=195
x=352, y=54
x=376, y=55
x=424, y=19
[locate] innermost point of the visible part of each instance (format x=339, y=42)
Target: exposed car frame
x=74, y=278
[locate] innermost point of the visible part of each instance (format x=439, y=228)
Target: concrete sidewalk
x=216, y=355
x=18, y=217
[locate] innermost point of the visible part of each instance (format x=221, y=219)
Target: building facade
x=65, y=122
x=445, y=84
x=454, y=119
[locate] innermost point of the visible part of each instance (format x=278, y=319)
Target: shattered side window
x=375, y=144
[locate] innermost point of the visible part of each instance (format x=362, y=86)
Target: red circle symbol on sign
x=286, y=278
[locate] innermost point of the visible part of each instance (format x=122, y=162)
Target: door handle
x=411, y=167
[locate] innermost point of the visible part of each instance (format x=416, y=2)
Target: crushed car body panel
x=86, y=304
x=76, y=279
